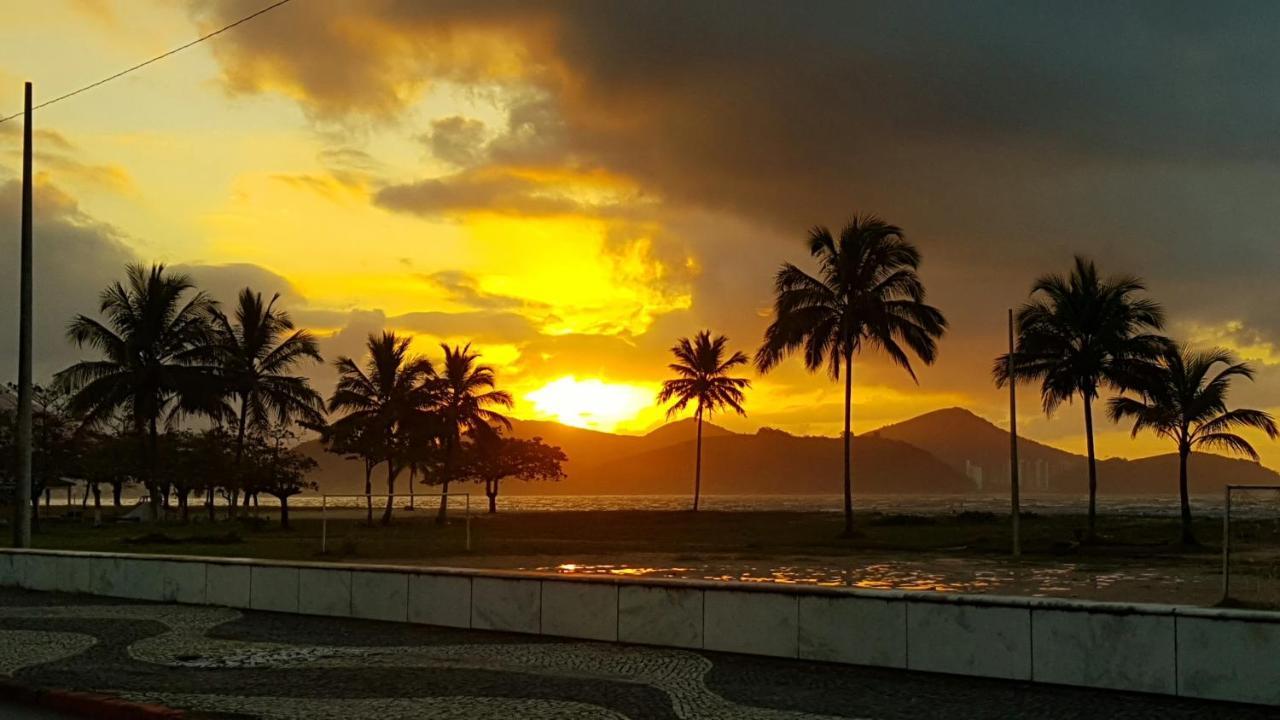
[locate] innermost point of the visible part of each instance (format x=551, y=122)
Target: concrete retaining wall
x=1172, y=650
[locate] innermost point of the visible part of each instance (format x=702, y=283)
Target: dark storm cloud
x=1004, y=136
x=75, y=258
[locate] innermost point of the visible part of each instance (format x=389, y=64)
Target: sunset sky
x=572, y=186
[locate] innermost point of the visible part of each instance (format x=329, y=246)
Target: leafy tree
x=867, y=293
x=491, y=458
x=1183, y=399
x=108, y=457
x=464, y=403
x=156, y=346
x=703, y=379
x=1078, y=334
x=381, y=400
x=258, y=351
x=356, y=439
x=278, y=470
x=55, y=450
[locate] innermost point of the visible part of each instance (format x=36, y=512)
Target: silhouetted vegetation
x=703, y=379
x=866, y=295
x=1180, y=400
x=1079, y=334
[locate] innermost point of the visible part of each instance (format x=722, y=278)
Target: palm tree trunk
x=241, y=425
x=1188, y=538
x=1093, y=467
x=442, y=515
x=697, y=464
x=368, y=493
x=153, y=453
x=97, y=505
x=391, y=491
x=848, y=442
x=413, y=478
x=491, y=491
x=284, y=512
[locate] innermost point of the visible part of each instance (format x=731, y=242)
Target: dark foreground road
x=266, y=665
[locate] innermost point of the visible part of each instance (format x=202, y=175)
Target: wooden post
x=22, y=504
x=1013, y=450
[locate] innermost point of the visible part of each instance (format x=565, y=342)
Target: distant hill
x=970, y=444
x=768, y=462
x=945, y=451
x=775, y=462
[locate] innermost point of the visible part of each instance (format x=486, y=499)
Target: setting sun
x=590, y=403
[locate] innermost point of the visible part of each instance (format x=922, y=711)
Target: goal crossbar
x=324, y=509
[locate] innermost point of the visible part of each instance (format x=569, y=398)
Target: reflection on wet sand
x=938, y=575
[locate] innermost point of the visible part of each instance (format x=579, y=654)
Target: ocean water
x=1259, y=504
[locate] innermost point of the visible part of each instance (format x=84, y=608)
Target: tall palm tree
x=1179, y=400
x=465, y=405
x=1079, y=333
x=867, y=293
x=156, y=344
x=704, y=380
x=258, y=349
x=382, y=399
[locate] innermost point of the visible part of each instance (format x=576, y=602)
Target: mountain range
x=947, y=451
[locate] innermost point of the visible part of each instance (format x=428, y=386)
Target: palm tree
x=382, y=399
x=465, y=402
x=257, y=352
x=867, y=294
x=1079, y=333
x=156, y=346
x=703, y=379
x=1180, y=401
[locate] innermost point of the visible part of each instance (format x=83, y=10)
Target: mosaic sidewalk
x=237, y=664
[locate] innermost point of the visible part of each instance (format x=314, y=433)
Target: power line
x=174, y=51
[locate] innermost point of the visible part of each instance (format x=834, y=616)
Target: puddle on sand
x=943, y=575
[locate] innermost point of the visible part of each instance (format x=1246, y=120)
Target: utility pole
x=22, y=504
x=1013, y=449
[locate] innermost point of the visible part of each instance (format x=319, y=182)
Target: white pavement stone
x=982, y=640
x=8, y=577
x=756, y=623
x=227, y=585
x=74, y=574
x=1229, y=659
x=660, y=616
x=39, y=572
x=580, y=610
x=861, y=631
x=1123, y=652
x=506, y=604
x=274, y=588
x=443, y=600
x=380, y=596
x=324, y=592
x=183, y=582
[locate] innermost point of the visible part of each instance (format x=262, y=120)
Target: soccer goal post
x=1235, y=502
x=334, y=502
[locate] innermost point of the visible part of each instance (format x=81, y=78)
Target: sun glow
x=590, y=403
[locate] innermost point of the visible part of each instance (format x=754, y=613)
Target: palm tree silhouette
x=703, y=379
x=382, y=400
x=465, y=401
x=257, y=350
x=156, y=346
x=867, y=293
x=1179, y=400
x=1078, y=333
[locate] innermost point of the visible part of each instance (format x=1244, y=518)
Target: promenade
x=223, y=662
